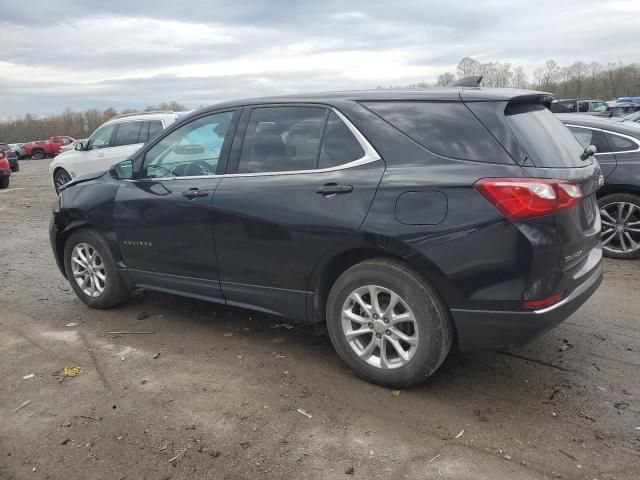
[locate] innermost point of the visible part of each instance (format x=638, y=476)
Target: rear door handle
x=195, y=192
x=334, y=189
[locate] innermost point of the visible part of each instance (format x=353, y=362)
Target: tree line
x=77, y=124
x=578, y=80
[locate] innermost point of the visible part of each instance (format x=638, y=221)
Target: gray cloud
x=131, y=54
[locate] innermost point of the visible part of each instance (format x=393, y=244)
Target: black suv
x=408, y=221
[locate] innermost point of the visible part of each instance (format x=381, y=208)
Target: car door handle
x=334, y=189
x=195, y=192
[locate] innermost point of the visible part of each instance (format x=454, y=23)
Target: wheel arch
x=334, y=264
x=610, y=189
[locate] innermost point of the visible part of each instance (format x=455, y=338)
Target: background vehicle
x=631, y=118
x=618, y=145
x=621, y=109
x=398, y=217
x=44, y=148
x=5, y=171
x=72, y=146
x=112, y=142
x=17, y=147
x=578, y=106
x=11, y=156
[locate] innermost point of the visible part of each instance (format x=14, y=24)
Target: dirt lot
x=220, y=388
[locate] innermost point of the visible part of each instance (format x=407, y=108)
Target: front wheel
x=387, y=324
x=4, y=182
x=91, y=270
x=60, y=177
x=620, y=213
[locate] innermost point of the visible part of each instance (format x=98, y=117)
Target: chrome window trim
x=370, y=155
x=628, y=137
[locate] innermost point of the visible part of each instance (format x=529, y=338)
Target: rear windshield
x=449, y=129
x=546, y=141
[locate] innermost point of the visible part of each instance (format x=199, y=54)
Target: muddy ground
x=219, y=388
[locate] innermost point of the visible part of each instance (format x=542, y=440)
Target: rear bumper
x=483, y=329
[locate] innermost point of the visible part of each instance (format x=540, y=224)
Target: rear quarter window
x=445, y=128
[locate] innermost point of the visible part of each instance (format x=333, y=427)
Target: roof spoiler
x=543, y=98
x=472, y=81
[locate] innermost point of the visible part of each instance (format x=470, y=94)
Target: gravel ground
x=218, y=392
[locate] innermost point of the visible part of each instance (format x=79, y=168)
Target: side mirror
x=122, y=170
x=589, y=151
x=79, y=146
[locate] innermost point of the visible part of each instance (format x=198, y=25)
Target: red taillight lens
x=542, y=302
x=520, y=198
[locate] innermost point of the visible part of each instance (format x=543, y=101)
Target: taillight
x=543, y=302
x=520, y=198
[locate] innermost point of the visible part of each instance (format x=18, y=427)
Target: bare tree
x=445, y=79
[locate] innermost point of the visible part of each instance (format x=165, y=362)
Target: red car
x=43, y=148
x=5, y=171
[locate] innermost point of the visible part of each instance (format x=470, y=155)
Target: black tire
x=613, y=247
x=60, y=177
x=16, y=168
x=431, y=316
x=115, y=290
x=38, y=155
x=4, y=182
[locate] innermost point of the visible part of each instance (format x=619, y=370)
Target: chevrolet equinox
x=407, y=221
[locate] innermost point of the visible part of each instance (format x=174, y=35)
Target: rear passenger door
x=300, y=180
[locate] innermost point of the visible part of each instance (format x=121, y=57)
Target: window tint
x=446, y=128
x=586, y=137
x=101, y=138
x=583, y=106
x=620, y=144
x=127, y=133
x=191, y=150
x=339, y=146
x=282, y=139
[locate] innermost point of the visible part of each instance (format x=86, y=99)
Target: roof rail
x=147, y=112
x=471, y=81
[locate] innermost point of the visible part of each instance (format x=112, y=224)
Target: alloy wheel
x=61, y=178
x=620, y=227
x=88, y=270
x=380, y=327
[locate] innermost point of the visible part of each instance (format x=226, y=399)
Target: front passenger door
x=164, y=220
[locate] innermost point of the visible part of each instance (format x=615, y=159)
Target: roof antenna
x=471, y=81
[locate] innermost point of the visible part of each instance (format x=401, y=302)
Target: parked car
x=112, y=142
x=72, y=146
x=5, y=171
x=11, y=156
x=45, y=148
x=618, y=152
x=403, y=220
x=578, y=106
x=621, y=109
x=17, y=147
x=631, y=118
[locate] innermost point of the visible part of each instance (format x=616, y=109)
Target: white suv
x=112, y=142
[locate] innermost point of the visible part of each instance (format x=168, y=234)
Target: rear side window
x=154, y=127
x=620, y=144
x=127, y=133
x=339, y=146
x=587, y=136
x=583, y=107
x=445, y=128
x=280, y=139
x=546, y=141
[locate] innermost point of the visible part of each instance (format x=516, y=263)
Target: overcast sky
x=127, y=53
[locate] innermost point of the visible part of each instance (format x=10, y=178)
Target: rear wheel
x=91, y=270
x=620, y=213
x=60, y=178
x=387, y=324
x=4, y=182
x=37, y=155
